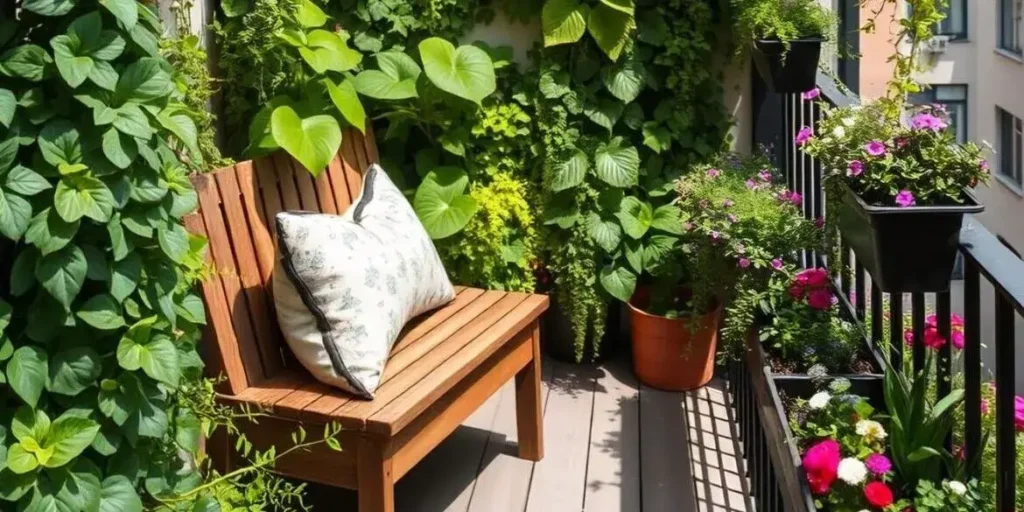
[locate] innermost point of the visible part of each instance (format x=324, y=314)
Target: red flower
x=812, y=277
x=932, y=339
x=820, y=299
x=796, y=291
x=878, y=494
x=821, y=463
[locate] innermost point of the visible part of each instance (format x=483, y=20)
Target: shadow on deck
x=611, y=445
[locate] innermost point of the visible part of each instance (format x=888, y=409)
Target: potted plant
x=737, y=228
x=785, y=39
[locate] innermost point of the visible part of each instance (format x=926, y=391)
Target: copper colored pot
x=670, y=353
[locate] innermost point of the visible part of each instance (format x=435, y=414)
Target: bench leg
x=529, y=412
x=376, y=480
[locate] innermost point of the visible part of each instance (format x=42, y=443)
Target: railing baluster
x=846, y=273
x=896, y=330
x=917, y=318
x=861, y=300
x=972, y=359
x=1006, y=446
x=876, y=316
x=943, y=367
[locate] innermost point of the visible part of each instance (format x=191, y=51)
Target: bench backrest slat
x=237, y=206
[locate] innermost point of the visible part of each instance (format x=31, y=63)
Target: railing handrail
x=836, y=95
x=997, y=262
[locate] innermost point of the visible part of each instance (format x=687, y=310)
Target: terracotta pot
x=670, y=353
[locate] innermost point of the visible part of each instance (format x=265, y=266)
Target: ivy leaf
x=347, y=102
x=126, y=11
x=26, y=373
x=571, y=172
x=309, y=15
x=73, y=68
x=125, y=275
x=327, y=51
x=102, y=312
x=156, y=356
x=625, y=81
x=120, y=149
x=62, y=274
x=144, y=80
x=656, y=248
x=49, y=7
x=8, y=104
x=26, y=61
x=635, y=254
x=173, y=241
x=606, y=233
x=73, y=370
x=69, y=436
x=619, y=282
x=617, y=163
x=25, y=181
x=610, y=28
x=49, y=232
x=563, y=21
x=59, y=143
x=657, y=137
x=312, y=141
x=441, y=204
x=118, y=495
x=80, y=195
x=669, y=219
x=183, y=127
x=605, y=112
x=15, y=213
x=395, y=80
x=466, y=72
x=635, y=216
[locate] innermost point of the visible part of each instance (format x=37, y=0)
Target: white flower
x=819, y=400
x=957, y=487
x=871, y=430
x=839, y=132
x=849, y=122
x=852, y=471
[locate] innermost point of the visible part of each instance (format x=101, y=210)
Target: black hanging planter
x=910, y=249
x=788, y=72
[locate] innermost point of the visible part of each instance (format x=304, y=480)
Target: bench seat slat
x=424, y=324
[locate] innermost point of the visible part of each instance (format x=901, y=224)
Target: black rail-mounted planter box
x=911, y=249
x=779, y=483
x=788, y=72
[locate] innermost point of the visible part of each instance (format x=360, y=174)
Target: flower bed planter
x=788, y=72
x=778, y=479
x=881, y=236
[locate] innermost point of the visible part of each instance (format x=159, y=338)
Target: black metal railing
x=986, y=262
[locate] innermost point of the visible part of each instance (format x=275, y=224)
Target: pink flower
x=932, y=338
x=905, y=198
x=926, y=121
x=820, y=299
x=732, y=218
x=713, y=173
x=1018, y=413
x=715, y=235
x=796, y=199
x=744, y=263
x=957, y=339
x=796, y=291
x=956, y=320
x=751, y=184
x=812, y=277
x=821, y=463
x=777, y=264
x=901, y=142
x=878, y=464
x=819, y=222
x=983, y=165
x=811, y=94
x=764, y=175
x=984, y=406
x=728, y=203
x=803, y=136
x=908, y=337
x=875, y=148
x=856, y=168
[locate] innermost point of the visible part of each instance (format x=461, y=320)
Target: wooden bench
x=443, y=367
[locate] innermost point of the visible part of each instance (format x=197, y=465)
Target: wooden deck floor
x=611, y=446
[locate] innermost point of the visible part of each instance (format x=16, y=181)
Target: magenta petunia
x=744, y=263
x=751, y=184
x=803, y=136
x=777, y=264
x=713, y=173
x=905, y=198
x=1018, y=413
x=732, y=218
x=796, y=199
x=878, y=464
x=926, y=121
x=983, y=165
x=811, y=94
x=875, y=148
x=856, y=168
x=819, y=222
x=764, y=175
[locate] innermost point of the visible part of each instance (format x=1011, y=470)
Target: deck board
x=614, y=462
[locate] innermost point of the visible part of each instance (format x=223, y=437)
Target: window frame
x=954, y=36
x=1009, y=42
x=1011, y=161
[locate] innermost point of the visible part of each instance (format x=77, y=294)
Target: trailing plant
x=192, y=78
x=780, y=20
x=287, y=80
x=381, y=25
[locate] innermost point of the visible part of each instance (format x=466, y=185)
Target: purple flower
x=752, y=185
x=764, y=175
x=905, y=199
x=811, y=94
x=803, y=136
x=878, y=464
x=796, y=199
x=777, y=264
x=983, y=165
x=715, y=235
x=744, y=263
x=875, y=148
x=856, y=168
x=728, y=203
x=819, y=222
x=926, y=121
x=713, y=173
x=732, y=218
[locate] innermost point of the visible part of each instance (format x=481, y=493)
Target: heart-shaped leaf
x=69, y=436
x=466, y=72
x=571, y=172
x=617, y=163
x=441, y=204
x=610, y=28
x=73, y=370
x=395, y=80
x=15, y=213
x=118, y=495
x=8, y=104
x=26, y=373
x=668, y=218
x=25, y=181
x=49, y=7
x=619, y=282
x=564, y=21
x=312, y=141
x=347, y=102
x=625, y=81
x=606, y=233
x=126, y=11
x=604, y=112
x=78, y=195
x=309, y=15
x=102, y=312
x=635, y=216
x=62, y=274
x=49, y=232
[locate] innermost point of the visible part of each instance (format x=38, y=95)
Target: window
x=954, y=99
x=955, y=23
x=1009, y=26
x=1011, y=138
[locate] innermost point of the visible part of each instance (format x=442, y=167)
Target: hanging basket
x=788, y=72
x=910, y=249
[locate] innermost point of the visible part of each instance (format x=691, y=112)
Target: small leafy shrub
x=782, y=20
x=610, y=23
x=949, y=496
x=381, y=25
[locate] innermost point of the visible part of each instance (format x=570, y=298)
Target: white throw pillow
x=345, y=285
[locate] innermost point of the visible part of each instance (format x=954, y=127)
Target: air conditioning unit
x=937, y=44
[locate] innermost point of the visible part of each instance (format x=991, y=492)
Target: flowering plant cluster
x=913, y=160
x=741, y=226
